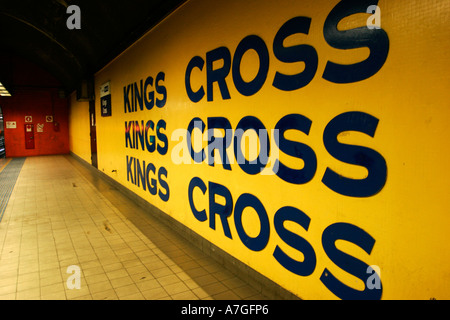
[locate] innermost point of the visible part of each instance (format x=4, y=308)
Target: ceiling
x=37, y=31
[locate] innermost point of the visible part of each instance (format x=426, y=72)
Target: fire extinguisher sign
x=105, y=99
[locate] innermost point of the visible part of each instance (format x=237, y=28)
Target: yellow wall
x=79, y=129
x=397, y=117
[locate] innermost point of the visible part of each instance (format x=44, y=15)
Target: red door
x=29, y=136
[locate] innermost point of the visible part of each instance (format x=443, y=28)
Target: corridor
x=60, y=218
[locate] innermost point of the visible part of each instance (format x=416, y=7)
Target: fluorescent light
x=3, y=91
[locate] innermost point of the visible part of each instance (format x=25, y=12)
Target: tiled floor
x=59, y=215
x=3, y=162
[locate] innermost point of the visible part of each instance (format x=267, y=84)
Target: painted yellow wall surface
x=362, y=118
x=79, y=129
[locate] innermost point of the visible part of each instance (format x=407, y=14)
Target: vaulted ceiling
x=37, y=31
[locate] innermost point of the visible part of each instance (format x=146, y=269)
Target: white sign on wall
x=105, y=99
x=11, y=125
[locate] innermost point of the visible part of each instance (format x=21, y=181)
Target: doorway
x=93, y=133
x=29, y=136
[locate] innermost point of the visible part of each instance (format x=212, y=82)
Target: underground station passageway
x=227, y=150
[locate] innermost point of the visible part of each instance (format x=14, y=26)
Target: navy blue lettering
x=258, y=45
x=149, y=97
x=302, y=268
x=357, y=155
x=259, y=242
x=126, y=99
x=357, y=268
x=140, y=174
x=161, y=90
x=219, y=144
x=305, y=53
x=218, y=75
x=196, y=62
x=163, y=184
x=162, y=137
x=139, y=132
x=150, y=139
x=257, y=165
x=130, y=161
x=128, y=142
x=196, y=182
x=197, y=156
x=376, y=40
x=295, y=149
x=223, y=210
x=138, y=96
x=151, y=183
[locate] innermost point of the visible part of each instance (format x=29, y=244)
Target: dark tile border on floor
x=256, y=280
x=8, y=178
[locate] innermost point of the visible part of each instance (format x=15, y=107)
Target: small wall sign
x=105, y=99
x=11, y=125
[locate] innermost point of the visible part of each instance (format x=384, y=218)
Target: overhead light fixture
x=3, y=91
